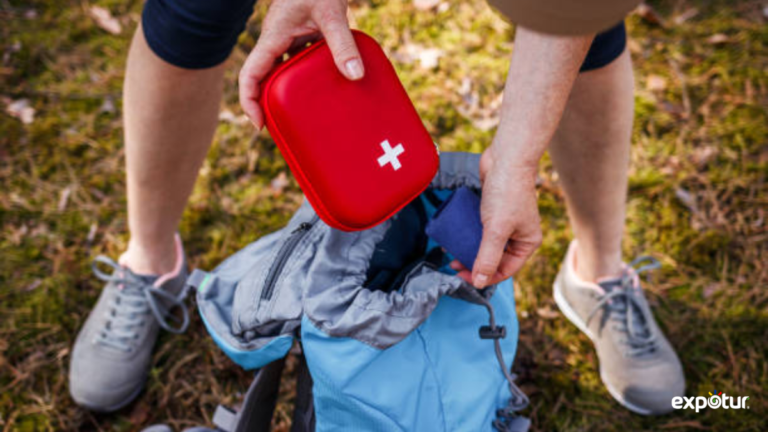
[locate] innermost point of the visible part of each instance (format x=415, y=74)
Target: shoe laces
x=136, y=300
x=622, y=304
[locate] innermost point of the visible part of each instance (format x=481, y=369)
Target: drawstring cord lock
x=507, y=419
x=495, y=332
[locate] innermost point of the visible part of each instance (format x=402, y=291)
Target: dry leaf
x=429, y=57
x=547, y=312
x=717, y=39
x=655, y=83
x=425, y=4
x=758, y=223
x=22, y=110
x=692, y=424
x=17, y=235
x=482, y=117
x=92, y=233
x=634, y=46
x=228, y=116
x=279, y=183
x=556, y=356
x=64, y=197
x=7, y=54
x=486, y=123
x=688, y=199
x=140, y=413
x=105, y=20
x=465, y=91
x=98, y=194
x=702, y=155
x=34, y=285
x=108, y=106
x=710, y=289
x=252, y=157
x=62, y=354
x=670, y=166
x=649, y=14
x=749, y=91
x=674, y=109
x=685, y=16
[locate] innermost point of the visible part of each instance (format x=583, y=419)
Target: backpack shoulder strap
x=261, y=398
x=304, y=410
x=258, y=405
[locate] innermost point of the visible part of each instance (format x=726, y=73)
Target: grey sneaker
x=637, y=364
x=112, y=353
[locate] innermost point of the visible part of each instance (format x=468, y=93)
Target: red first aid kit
x=357, y=148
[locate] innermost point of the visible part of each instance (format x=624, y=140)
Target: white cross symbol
x=390, y=155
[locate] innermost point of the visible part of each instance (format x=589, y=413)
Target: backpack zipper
x=282, y=256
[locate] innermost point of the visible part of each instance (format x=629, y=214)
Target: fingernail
x=354, y=69
x=481, y=280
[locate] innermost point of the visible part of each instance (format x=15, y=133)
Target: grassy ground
x=698, y=203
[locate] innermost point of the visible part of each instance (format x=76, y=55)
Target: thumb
x=489, y=256
x=342, y=44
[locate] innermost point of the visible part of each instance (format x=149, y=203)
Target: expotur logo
x=715, y=400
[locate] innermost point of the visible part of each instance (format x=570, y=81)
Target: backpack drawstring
x=507, y=418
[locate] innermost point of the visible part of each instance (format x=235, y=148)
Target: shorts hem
x=155, y=44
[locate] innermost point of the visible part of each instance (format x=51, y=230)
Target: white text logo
x=715, y=400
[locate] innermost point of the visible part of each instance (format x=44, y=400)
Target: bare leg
x=590, y=152
x=170, y=117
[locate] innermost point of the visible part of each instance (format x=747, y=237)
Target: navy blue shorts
x=606, y=48
x=197, y=34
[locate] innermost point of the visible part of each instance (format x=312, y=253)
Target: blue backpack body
x=392, y=339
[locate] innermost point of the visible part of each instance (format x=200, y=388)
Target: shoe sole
x=574, y=318
x=116, y=407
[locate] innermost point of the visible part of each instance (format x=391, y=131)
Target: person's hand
x=510, y=217
x=290, y=24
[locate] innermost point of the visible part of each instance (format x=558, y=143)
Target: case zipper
x=282, y=256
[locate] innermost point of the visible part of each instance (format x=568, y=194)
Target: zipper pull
x=304, y=226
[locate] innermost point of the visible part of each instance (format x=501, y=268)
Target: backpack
x=392, y=340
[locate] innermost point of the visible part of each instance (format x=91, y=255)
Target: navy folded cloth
x=456, y=226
